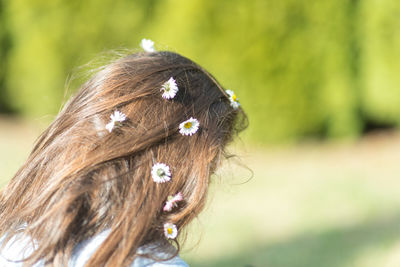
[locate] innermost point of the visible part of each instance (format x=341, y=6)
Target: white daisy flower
x=172, y=200
x=189, y=127
x=233, y=98
x=170, y=88
x=116, y=118
x=170, y=230
x=147, y=45
x=160, y=173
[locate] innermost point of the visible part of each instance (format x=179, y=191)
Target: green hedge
x=381, y=60
x=301, y=68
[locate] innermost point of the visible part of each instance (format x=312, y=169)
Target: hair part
x=80, y=180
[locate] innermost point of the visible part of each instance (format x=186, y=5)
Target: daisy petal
x=118, y=116
x=169, y=88
x=178, y=197
x=160, y=173
x=110, y=126
x=147, y=45
x=168, y=206
x=115, y=119
x=170, y=230
x=189, y=127
x=172, y=201
x=233, y=99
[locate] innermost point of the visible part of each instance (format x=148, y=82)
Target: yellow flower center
x=188, y=125
x=160, y=172
x=234, y=97
x=169, y=231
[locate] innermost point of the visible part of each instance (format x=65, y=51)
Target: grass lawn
x=314, y=205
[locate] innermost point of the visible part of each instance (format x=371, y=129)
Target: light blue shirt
x=19, y=248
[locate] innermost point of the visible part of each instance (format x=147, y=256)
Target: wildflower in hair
x=233, y=99
x=170, y=230
x=147, y=45
x=160, y=173
x=116, y=118
x=92, y=194
x=172, y=200
x=189, y=127
x=169, y=88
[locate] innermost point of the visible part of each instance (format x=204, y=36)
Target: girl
x=124, y=167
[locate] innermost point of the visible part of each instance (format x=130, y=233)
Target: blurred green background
x=318, y=79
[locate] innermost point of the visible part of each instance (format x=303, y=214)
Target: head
x=81, y=179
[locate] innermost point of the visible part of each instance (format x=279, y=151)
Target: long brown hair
x=80, y=180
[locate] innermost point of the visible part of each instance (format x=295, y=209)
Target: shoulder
x=174, y=262
x=19, y=247
x=84, y=251
x=15, y=250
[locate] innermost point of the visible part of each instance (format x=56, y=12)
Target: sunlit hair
x=81, y=179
